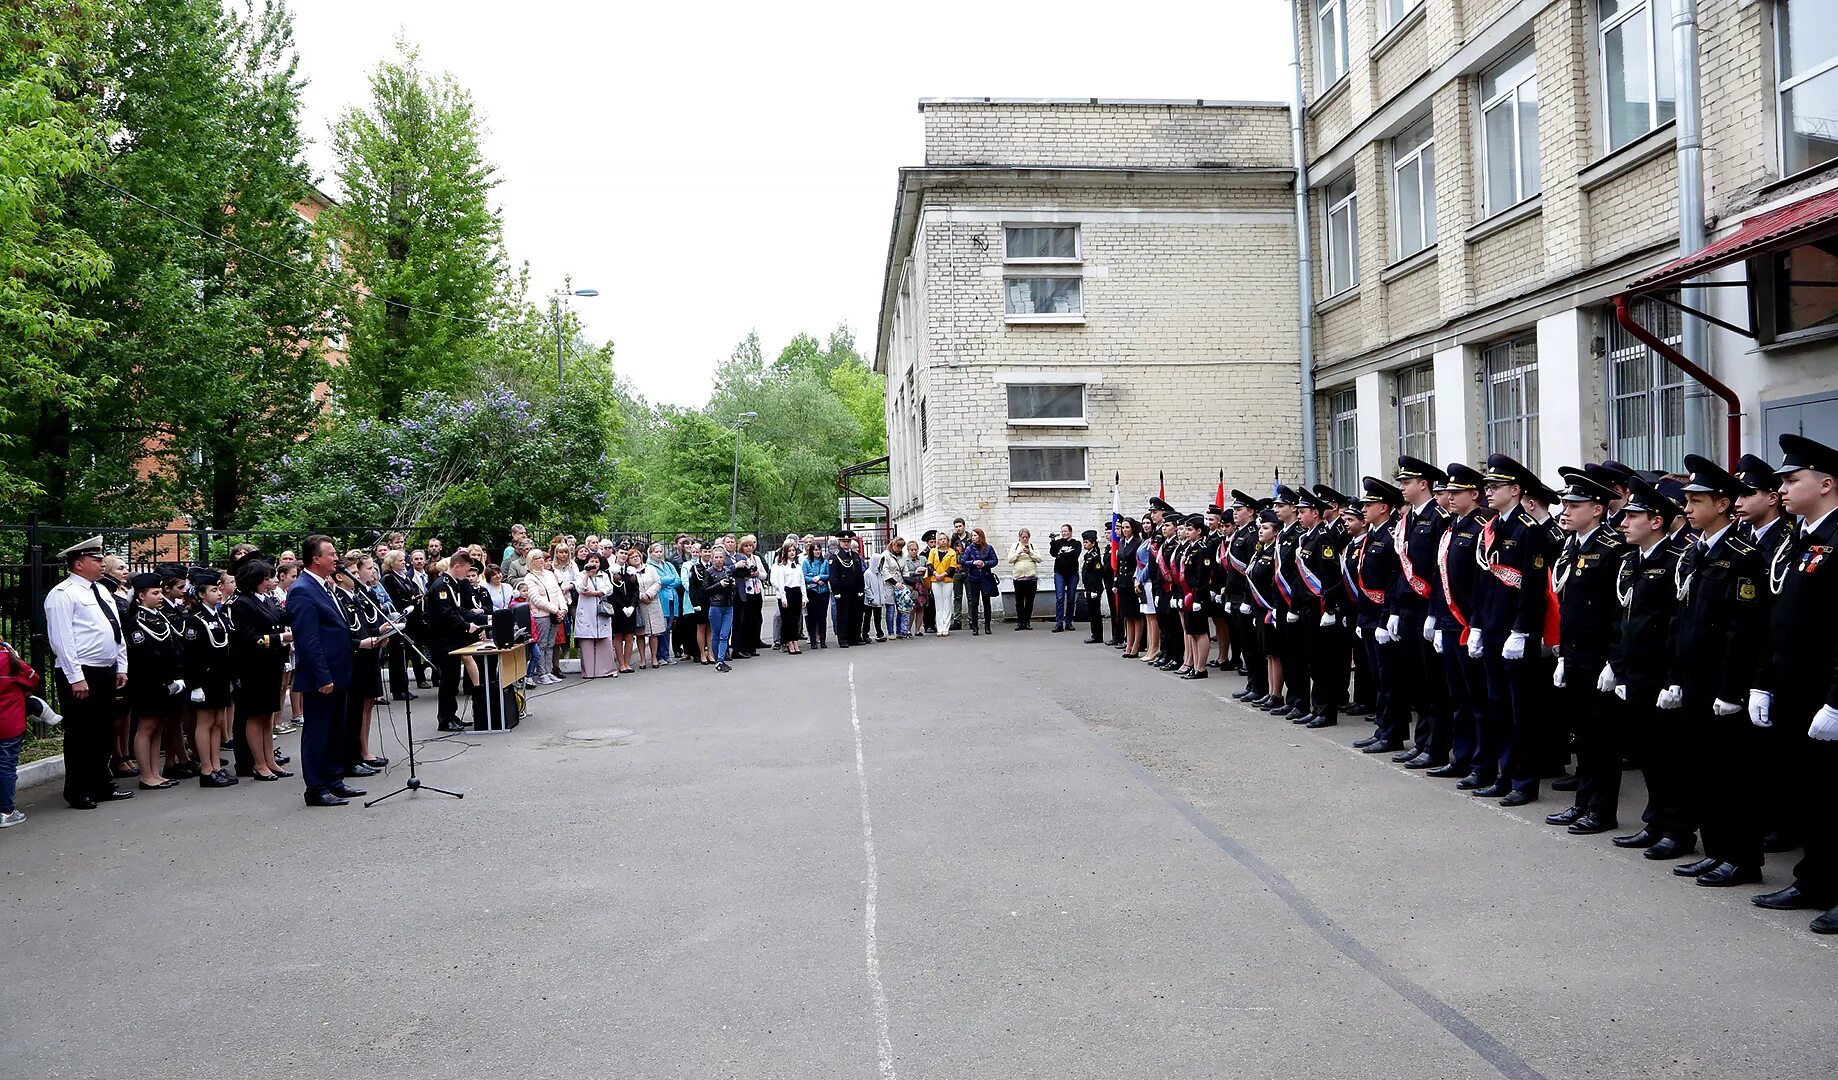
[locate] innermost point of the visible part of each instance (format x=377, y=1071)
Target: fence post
x=204, y=546
x=35, y=597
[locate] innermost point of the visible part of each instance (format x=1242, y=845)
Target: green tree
x=51, y=131
x=689, y=470
x=423, y=241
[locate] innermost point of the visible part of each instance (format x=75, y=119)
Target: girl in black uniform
x=156, y=656
x=1128, y=602
x=260, y=643
x=209, y=673
x=365, y=621
x=373, y=621
x=1262, y=579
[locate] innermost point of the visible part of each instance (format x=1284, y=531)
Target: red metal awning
x=1771, y=231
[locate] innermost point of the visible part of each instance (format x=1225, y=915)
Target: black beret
x=142, y=582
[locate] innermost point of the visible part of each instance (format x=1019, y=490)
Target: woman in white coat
x=592, y=630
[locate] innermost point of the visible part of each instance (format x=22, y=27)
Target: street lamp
x=740, y=422
x=556, y=307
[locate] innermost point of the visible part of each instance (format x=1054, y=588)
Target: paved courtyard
x=1011, y=857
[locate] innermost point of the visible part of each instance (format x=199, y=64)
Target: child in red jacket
x=17, y=682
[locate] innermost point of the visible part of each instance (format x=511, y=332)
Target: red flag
x=1162, y=493
x=1219, y=498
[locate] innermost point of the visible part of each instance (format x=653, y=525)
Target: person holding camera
x=726, y=571
x=453, y=622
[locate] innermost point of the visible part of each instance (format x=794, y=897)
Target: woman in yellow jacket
x=940, y=571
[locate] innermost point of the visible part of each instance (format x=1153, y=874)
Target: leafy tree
x=422, y=238
x=689, y=472
x=51, y=131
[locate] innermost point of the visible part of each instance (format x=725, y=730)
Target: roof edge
x=1201, y=103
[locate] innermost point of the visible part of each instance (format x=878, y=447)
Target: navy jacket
x=322, y=640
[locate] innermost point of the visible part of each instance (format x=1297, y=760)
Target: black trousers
x=1391, y=710
x=1598, y=732
x=1170, y=622
x=848, y=618
x=1116, y=620
x=1817, y=826
x=1654, y=737
x=1514, y=698
x=89, y=734
x=1094, y=611
x=1723, y=781
x=1467, y=679
x=1365, y=679
x=450, y=671
x=816, y=617
x=871, y=618
x=1025, y=589
x=1425, y=685
x=747, y=617
x=418, y=630
x=1294, y=640
x=972, y=599
x=1328, y=657
x=398, y=666
x=319, y=765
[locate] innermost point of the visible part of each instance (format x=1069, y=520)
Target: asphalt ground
x=1050, y=862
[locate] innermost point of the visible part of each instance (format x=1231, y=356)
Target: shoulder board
x=1524, y=518
x=1441, y=512
x=1740, y=545
x=1610, y=539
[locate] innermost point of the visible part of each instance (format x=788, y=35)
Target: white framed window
x=1509, y=132
x=1509, y=381
x=334, y=254
x=1806, y=51
x=1416, y=390
x=1330, y=42
x=1046, y=404
x=1646, y=393
x=1047, y=466
x=1391, y=13
x=1040, y=243
x=1635, y=41
x=1044, y=299
x=1413, y=188
x=1342, y=201
x=1343, y=439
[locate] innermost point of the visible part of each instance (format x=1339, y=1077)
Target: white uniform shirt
x=81, y=635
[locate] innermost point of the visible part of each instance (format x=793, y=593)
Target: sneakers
x=41, y=709
x=11, y=818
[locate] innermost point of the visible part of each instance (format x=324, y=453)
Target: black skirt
x=791, y=617
x=258, y=689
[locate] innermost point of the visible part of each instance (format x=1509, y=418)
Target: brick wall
x=1410, y=301
x=1509, y=261
x=1105, y=134
x=1404, y=61
x=1624, y=216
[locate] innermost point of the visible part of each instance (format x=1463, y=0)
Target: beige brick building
x=1080, y=289
x=1487, y=174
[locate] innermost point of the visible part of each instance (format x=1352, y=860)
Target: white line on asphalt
x=883, y=1044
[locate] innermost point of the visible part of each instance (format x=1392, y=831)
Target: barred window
x=1646, y=417
x=1416, y=392
x=1509, y=374
x=1343, y=439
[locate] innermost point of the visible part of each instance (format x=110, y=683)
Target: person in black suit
x=1796, y=686
x=405, y=597
x=453, y=622
x=1095, y=579
x=322, y=670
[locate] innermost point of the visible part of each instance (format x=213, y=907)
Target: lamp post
x=556, y=307
x=740, y=423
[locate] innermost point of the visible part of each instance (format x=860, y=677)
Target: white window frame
x=1017, y=268
x=1655, y=34
x=1509, y=97
x=1387, y=19
x=1326, y=74
x=1081, y=484
x=1645, y=449
x=1043, y=317
x=1343, y=437
x=1081, y=420
x=1078, y=244
x=1349, y=206
x=1424, y=155
x=1785, y=84
x=1416, y=443
x=1502, y=362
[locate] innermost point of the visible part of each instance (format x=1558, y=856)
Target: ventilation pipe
x=1305, y=271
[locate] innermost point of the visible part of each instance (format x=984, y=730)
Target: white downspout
x=1691, y=237
x=1305, y=246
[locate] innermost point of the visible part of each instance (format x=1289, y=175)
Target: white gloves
x=1393, y=627
x=1557, y=676
x=197, y=696
x=1244, y=609
x=1719, y=707
x=1429, y=628
x=1384, y=636
x=1621, y=691
x=1514, y=649
x=1329, y=620
x=1672, y=697
x=176, y=687
x=1291, y=617
x=1193, y=605
x=1824, y=724
x=1761, y=703
x=1605, y=682
x=1475, y=648
x=409, y=610
x=1436, y=643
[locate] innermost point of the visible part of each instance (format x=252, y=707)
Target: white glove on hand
x=1621, y=691
x=1244, y=609
x=1761, y=704
x=409, y=610
x=1475, y=648
x=1384, y=636
x=1824, y=725
x=197, y=696
x=1329, y=620
x=1672, y=697
x=1605, y=682
x=1514, y=649
x=1393, y=628
x=176, y=687
x=1429, y=628
x=1436, y=643
x=1719, y=707
x=1292, y=617
x=1557, y=676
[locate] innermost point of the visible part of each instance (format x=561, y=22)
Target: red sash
x=1376, y=596
x=1448, y=594
x=1398, y=535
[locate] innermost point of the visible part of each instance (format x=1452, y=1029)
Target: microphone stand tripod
x=408, y=717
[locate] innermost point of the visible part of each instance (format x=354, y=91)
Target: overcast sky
x=715, y=168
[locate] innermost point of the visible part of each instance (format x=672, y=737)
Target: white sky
x=719, y=168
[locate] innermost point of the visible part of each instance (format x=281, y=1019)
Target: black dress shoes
x=1383, y=748
x=1825, y=924
x=360, y=769
x=1591, y=823
x=1564, y=817
x=323, y=798
x=1728, y=874
x=113, y=794
x=1670, y=847
x=1322, y=721
x=1644, y=838
x=406, y=696
x=1443, y=772
x=1790, y=899
x=1697, y=869
x=1242, y=695
x=1565, y=783
x=216, y=779
x=1405, y=755
x=1774, y=843
x=1472, y=782
x=1305, y=718
x=84, y=803
x=376, y=762
x=1365, y=742
x=345, y=791
x=1198, y=673
x=1422, y=761
x=1516, y=797
x=1492, y=791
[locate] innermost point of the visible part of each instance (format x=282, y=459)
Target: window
x=1041, y=243
x=1509, y=132
x=1413, y=186
x=1798, y=290
x=1330, y=41
x=1343, y=439
x=1636, y=46
x=1509, y=387
x=1646, y=416
x=1046, y=403
x=1046, y=466
x=1806, y=48
x=1342, y=235
x=1417, y=411
x=1045, y=296
x=334, y=254
x=1392, y=12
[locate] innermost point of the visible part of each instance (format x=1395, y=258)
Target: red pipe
x=1683, y=363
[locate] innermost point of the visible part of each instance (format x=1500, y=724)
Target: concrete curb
x=42, y=771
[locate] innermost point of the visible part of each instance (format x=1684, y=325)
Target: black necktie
x=108, y=610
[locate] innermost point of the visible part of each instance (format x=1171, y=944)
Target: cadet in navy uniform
x=1212, y=596
x=1509, y=631
x=1765, y=524
x=1095, y=579
x=1194, y=579
x=156, y=653
x=1334, y=509
x=1453, y=604
x=1420, y=529
x=1327, y=613
x=1796, y=688
x=1637, y=670
x=1290, y=604
x=1260, y=581
x=1585, y=576
x=1240, y=609
x=1715, y=633
x=1376, y=575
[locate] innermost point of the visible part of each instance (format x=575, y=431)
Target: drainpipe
x=1685, y=364
x=1691, y=211
x=1305, y=270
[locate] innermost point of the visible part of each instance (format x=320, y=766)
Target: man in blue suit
x=322, y=670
